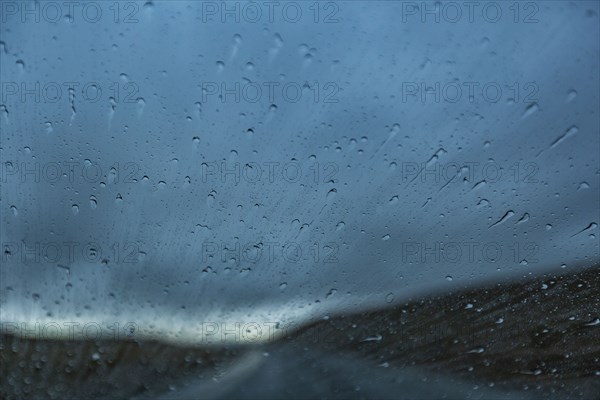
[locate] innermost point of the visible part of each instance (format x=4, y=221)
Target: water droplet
x=331, y=194
x=523, y=219
x=14, y=210
x=394, y=131
x=389, y=298
x=64, y=268
x=478, y=350
x=4, y=111
x=571, y=95
x=479, y=185
x=506, y=216
x=426, y=63
x=594, y=322
x=75, y=209
x=278, y=40
x=92, y=253
x=449, y=278
x=141, y=104
x=93, y=203
x=49, y=127
x=210, y=200
x=375, y=338
x=308, y=58
x=385, y=237
x=530, y=110
x=568, y=133
x=340, y=226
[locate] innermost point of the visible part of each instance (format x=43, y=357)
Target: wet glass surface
x=190, y=190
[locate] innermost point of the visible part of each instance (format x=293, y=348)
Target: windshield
x=221, y=176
